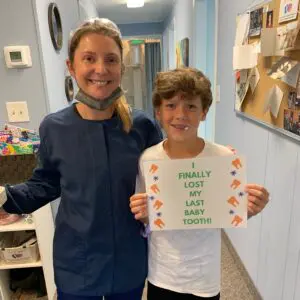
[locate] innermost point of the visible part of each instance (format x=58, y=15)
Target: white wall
x=18, y=28
x=87, y=9
x=177, y=26
x=204, y=54
x=270, y=247
x=53, y=62
x=194, y=19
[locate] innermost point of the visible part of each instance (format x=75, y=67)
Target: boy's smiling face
x=180, y=117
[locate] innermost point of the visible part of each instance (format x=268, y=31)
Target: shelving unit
x=20, y=266
x=43, y=226
x=20, y=225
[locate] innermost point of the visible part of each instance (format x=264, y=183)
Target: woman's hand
x=138, y=206
x=258, y=197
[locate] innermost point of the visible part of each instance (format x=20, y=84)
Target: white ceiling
x=152, y=11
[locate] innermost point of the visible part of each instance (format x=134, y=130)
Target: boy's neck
x=176, y=150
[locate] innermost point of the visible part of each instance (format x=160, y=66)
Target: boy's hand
x=231, y=149
x=258, y=197
x=138, y=206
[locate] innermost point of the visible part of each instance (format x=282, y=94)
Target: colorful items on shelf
x=16, y=140
x=6, y=219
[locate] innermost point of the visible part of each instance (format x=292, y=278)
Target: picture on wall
x=291, y=121
x=182, y=53
x=269, y=20
x=288, y=10
x=256, y=17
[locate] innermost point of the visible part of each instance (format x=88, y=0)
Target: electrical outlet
x=17, y=111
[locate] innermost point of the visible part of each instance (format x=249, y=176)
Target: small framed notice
x=196, y=193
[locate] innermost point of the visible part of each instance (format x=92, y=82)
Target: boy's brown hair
x=189, y=81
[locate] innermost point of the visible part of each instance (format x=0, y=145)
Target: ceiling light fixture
x=135, y=3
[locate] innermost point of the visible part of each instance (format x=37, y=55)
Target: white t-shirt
x=184, y=261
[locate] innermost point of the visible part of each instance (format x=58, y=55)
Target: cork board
x=253, y=103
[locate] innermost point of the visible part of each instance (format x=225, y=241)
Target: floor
x=235, y=283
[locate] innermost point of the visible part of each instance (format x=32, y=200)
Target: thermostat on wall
x=17, y=56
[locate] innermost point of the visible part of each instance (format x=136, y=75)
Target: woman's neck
x=185, y=149
x=88, y=113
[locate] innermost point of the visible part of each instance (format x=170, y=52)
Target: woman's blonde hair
x=107, y=28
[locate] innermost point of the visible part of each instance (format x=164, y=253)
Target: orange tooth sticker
x=159, y=223
x=153, y=168
x=158, y=204
x=233, y=201
x=236, y=220
x=235, y=184
x=237, y=163
x=154, y=188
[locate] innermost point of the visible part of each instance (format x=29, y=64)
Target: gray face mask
x=99, y=104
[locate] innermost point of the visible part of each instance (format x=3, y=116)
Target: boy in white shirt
x=184, y=264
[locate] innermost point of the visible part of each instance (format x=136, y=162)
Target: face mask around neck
x=99, y=104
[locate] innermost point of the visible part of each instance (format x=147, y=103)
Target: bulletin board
x=253, y=104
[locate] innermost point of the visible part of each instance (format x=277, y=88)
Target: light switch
x=17, y=111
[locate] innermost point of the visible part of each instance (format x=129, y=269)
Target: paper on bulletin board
x=288, y=10
x=242, y=29
x=288, y=37
x=287, y=70
x=244, y=57
x=196, y=193
x=268, y=42
x=273, y=100
x=254, y=78
x=242, y=86
x=274, y=41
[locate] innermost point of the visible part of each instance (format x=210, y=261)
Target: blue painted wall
x=137, y=29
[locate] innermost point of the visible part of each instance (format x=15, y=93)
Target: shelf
x=17, y=226
x=35, y=264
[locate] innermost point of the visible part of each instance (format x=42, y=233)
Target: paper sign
x=288, y=10
x=196, y=193
x=273, y=100
x=244, y=57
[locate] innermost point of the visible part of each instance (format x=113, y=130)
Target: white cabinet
x=44, y=228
